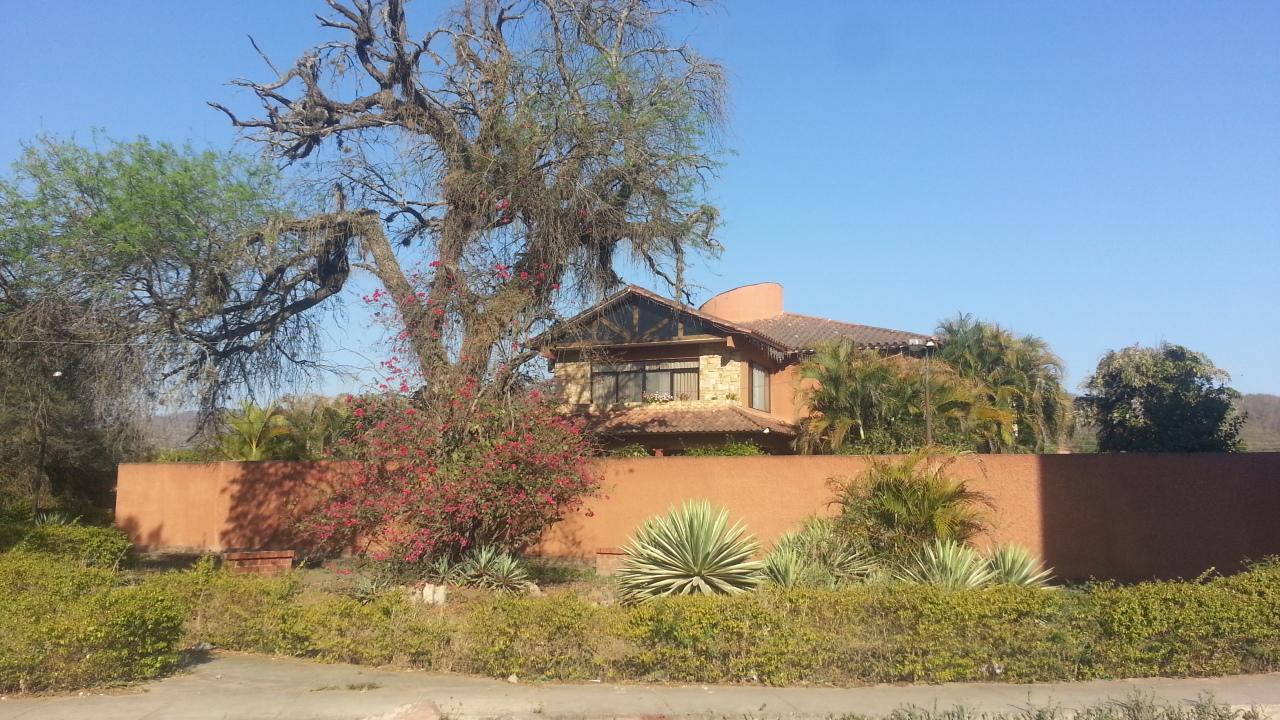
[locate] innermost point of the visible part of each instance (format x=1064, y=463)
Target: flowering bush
x=470, y=471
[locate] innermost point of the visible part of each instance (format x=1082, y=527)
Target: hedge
x=873, y=633
x=88, y=545
x=67, y=627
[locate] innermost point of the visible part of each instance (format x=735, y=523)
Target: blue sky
x=1095, y=173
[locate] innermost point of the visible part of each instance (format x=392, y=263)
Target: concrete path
x=244, y=687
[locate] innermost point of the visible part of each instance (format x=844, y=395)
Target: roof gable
x=634, y=316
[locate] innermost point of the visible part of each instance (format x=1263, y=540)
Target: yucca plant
x=948, y=564
x=1016, y=565
x=690, y=551
x=487, y=567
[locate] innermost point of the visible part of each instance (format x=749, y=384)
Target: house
x=648, y=370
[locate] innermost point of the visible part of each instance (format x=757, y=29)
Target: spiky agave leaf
x=1016, y=565
x=948, y=564
x=786, y=566
x=689, y=551
x=487, y=567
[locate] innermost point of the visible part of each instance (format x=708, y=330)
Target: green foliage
x=817, y=556
x=66, y=627
x=986, y=390
x=1019, y=402
x=632, y=450
x=1162, y=399
x=1016, y=565
x=88, y=546
x=948, y=564
x=897, y=506
x=559, y=637
x=256, y=433
x=490, y=568
x=690, y=551
x=729, y=448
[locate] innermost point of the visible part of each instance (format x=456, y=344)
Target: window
x=759, y=388
x=657, y=380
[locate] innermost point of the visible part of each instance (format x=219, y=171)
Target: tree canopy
x=1162, y=399
x=988, y=391
x=505, y=161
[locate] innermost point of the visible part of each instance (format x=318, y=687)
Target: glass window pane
x=658, y=382
x=630, y=386
x=684, y=384
x=759, y=388
x=604, y=388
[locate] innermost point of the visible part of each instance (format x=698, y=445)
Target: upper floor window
x=637, y=381
x=759, y=388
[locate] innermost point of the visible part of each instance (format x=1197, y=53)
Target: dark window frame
x=643, y=369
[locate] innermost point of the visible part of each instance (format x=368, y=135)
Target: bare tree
x=506, y=161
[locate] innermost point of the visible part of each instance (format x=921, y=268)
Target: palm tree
x=852, y=396
x=1020, y=401
x=899, y=506
x=256, y=433
x=877, y=401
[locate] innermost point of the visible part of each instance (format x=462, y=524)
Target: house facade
x=646, y=370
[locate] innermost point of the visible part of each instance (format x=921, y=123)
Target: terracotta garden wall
x=1109, y=516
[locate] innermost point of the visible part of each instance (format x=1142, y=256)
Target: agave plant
x=690, y=551
x=1016, y=565
x=54, y=517
x=948, y=564
x=787, y=567
x=817, y=555
x=488, y=567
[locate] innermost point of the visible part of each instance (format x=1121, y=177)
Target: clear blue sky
x=1096, y=173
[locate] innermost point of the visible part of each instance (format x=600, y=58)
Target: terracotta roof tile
x=663, y=419
x=798, y=332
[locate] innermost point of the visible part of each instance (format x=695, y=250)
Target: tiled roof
x=798, y=332
x=662, y=419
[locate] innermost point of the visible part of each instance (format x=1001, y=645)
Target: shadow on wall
x=267, y=500
x=1141, y=516
x=152, y=538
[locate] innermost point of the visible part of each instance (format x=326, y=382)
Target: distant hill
x=170, y=432
x=1262, y=427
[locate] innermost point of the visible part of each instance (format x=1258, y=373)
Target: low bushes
x=87, y=545
x=66, y=627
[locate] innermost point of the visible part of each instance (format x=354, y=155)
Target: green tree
x=1162, y=399
x=865, y=401
x=1021, y=403
x=177, y=258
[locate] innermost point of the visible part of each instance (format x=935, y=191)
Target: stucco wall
x=1124, y=517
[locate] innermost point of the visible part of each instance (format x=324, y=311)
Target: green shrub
x=66, y=626
x=89, y=546
x=557, y=637
x=12, y=530
x=729, y=448
x=896, y=507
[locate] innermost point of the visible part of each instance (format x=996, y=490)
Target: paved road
x=251, y=687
